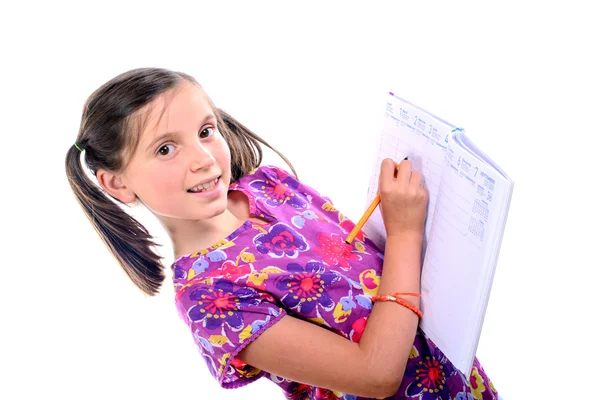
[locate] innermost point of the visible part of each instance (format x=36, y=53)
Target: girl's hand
x=403, y=200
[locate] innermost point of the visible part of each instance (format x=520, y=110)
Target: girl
x=262, y=275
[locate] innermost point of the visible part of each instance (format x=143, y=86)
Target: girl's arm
x=307, y=353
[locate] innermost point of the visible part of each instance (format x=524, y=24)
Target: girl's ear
x=113, y=185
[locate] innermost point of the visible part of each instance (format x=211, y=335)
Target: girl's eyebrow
x=171, y=135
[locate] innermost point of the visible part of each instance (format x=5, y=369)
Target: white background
x=521, y=78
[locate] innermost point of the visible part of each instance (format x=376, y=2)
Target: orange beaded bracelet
x=400, y=301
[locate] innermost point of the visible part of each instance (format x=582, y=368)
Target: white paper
x=469, y=197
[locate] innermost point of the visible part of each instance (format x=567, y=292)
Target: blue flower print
x=217, y=255
x=281, y=240
x=307, y=287
x=298, y=221
x=309, y=215
x=463, y=396
x=204, y=343
x=200, y=265
x=221, y=304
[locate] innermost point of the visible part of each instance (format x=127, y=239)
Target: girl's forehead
x=175, y=109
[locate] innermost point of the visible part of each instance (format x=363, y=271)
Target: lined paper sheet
x=468, y=204
x=409, y=131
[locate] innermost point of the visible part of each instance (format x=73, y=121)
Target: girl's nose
x=201, y=158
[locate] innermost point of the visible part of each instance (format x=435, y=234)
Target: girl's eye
x=165, y=150
x=207, y=132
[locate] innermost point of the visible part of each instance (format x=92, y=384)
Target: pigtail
x=246, y=152
x=129, y=242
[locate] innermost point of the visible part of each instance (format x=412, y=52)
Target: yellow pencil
x=367, y=214
x=364, y=219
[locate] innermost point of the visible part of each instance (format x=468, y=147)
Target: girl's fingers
x=386, y=174
x=415, y=180
x=404, y=173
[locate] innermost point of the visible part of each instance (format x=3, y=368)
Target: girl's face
x=181, y=166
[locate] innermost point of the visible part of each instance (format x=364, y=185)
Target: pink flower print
x=335, y=251
x=325, y=394
x=230, y=271
x=358, y=328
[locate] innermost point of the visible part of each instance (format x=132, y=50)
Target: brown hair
x=109, y=134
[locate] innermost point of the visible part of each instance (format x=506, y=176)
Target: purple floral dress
x=297, y=264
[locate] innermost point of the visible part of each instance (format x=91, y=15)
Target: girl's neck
x=192, y=236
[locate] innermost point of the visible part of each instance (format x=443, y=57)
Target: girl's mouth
x=205, y=187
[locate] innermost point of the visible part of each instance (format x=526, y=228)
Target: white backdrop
x=521, y=78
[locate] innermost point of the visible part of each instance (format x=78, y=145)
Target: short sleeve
x=225, y=317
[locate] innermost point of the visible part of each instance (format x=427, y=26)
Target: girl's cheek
x=165, y=178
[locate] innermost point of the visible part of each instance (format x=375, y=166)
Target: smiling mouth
x=205, y=187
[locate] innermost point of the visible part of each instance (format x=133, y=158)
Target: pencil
x=367, y=214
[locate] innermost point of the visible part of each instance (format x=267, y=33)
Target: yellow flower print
x=257, y=279
x=476, y=383
x=246, y=257
x=370, y=281
x=329, y=207
x=218, y=340
x=413, y=352
x=359, y=246
x=223, y=361
x=252, y=373
x=272, y=270
x=199, y=253
x=339, y=314
x=245, y=333
x=260, y=228
x=491, y=385
x=222, y=244
x=318, y=321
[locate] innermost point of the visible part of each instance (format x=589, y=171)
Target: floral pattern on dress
x=220, y=304
x=335, y=251
x=307, y=286
x=277, y=189
x=298, y=264
x=281, y=240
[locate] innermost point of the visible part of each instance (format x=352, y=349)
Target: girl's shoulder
x=273, y=190
x=268, y=173
x=275, y=180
